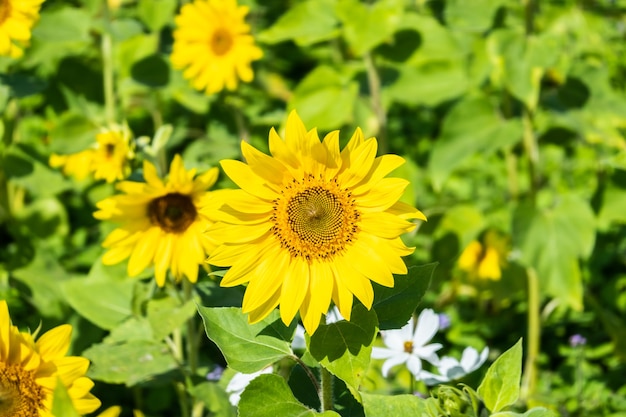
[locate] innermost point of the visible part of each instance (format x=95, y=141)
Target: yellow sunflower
x=484, y=260
x=212, y=43
x=311, y=223
x=107, y=160
x=17, y=17
x=29, y=371
x=161, y=222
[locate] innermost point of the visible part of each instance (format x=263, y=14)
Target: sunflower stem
x=307, y=370
x=192, y=343
x=108, y=68
x=534, y=335
x=373, y=80
x=326, y=396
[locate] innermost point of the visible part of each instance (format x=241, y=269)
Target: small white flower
x=298, y=342
x=450, y=368
x=409, y=344
x=240, y=381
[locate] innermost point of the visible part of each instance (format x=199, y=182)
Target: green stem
x=534, y=335
x=326, y=396
x=307, y=370
x=373, y=80
x=108, y=68
x=532, y=152
x=181, y=392
x=192, y=339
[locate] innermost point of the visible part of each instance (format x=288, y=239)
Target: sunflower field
x=312, y=208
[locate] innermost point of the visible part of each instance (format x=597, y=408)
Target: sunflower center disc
x=20, y=395
x=173, y=213
x=314, y=219
x=221, y=41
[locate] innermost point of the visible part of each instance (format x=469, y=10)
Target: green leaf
x=215, y=399
x=66, y=24
x=270, y=396
x=612, y=210
x=167, y=314
x=394, y=306
x=325, y=98
x=552, y=240
x=247, y=347
x=472, y=126
x=367, y=25
x=393, y=405
x=501, y=385
x=345, y=347
x=475, y=16
x=534, y=412
x=156, y=13
x=104, y=297
x=296, y=25
x=152, y=71
x=62, y=403
x=129, y=363
x=73, y=132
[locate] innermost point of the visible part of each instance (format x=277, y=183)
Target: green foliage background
x=511, y=115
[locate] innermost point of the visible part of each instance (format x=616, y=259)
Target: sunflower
x=485, y=260
x=29, y=371
x=17, y=17
x=161, y=222
x=311, y=223
x=107, y=160
x=212, y=43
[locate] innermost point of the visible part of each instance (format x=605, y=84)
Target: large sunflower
x=161, y=222
x=212, y=43
x=107, y=159
x=311, y=223
x=29, y=371
x=17, y=17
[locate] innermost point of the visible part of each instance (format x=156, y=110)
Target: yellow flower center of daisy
x=314, y=219
x=109, y=150
x=408, y=346
x=20, y=395
x=173, y=212
x=221, y=41
x=5, y=10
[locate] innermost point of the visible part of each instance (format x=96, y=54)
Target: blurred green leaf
x=247, y=347
x=129, y=363
x=215, y=399
x=552, y=240
x=613, y=207
x=104, y=297
x=296, y=25
x=270, y=396
x=167, y=314
x=345, y=347
x=156, y=13
x=394, y=306
x=153, y=71
x=472, y=126
x=534, y=412
x=62, y=403
x=475, y=16
x=325, y=98
x=501, y=385
x=72, y=132
x=65, y=24
x=377, y=405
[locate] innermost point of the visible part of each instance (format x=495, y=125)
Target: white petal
x=395, y=339
x=469, y=358
x=428, y=352
x=430, y=378
x=427, y=326
x=383, y=353
x=393, y=361
x=415, y=365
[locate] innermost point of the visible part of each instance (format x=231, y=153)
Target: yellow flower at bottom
x=29, y=371
x=17, y=17
x=212, y=43
x=311, y=223
x=107, y=160
x=161, y=222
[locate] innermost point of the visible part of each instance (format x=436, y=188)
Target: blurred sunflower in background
x=108, y=159
x=17, y=18
x=213, y=45
x=485, y=259
x=162, y=222
x=311, y=223
x=30, y=371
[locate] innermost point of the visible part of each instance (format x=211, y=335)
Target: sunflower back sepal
x=394, y=306
x=344, y=348
x=247, y=347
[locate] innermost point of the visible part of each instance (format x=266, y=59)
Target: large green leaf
x=296, y=25
x=501, y=385
x=475, y=16
x=534, y=412
x=167, y=314
x=345, y=347
x=552, y=240
x=215, y=399
x=472, y=126
x=156, y=13
x=376, y=405
x=270, y=396
x=394, y=306
x=247, y=347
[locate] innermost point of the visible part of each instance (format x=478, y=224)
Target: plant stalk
x=534, y=335
x=326, y=396
x=374, y=83
x=108, y=68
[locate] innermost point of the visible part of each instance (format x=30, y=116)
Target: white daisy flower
x=450, y=368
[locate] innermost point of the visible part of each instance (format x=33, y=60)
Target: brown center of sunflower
x=408, y=346
x=109, y=150
x=315, y=219
x=173, y=212
x=5, y=10
x=20, y=395
x=221, y=41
